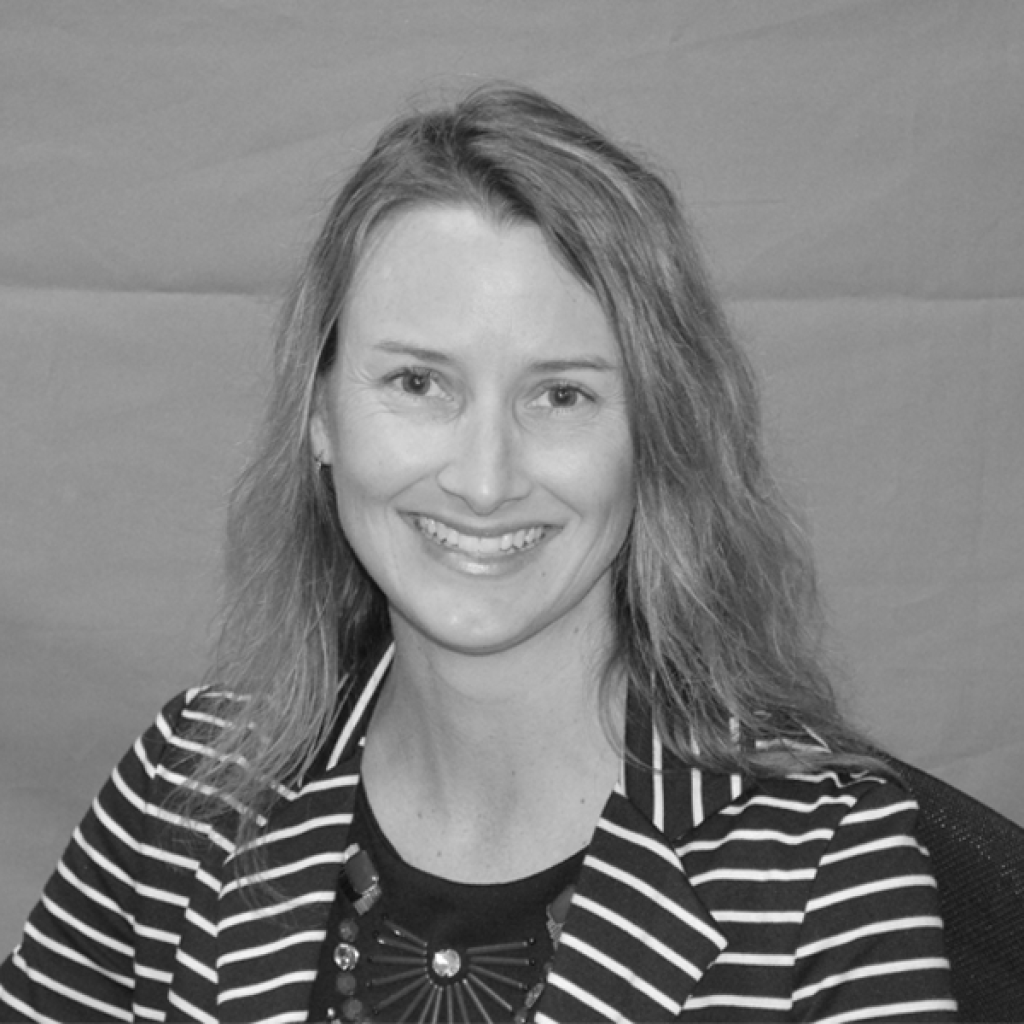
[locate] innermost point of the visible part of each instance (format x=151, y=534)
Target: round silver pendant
x=446, y=963
x=346, y=956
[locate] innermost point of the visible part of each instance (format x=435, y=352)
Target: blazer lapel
x=268, y=954
x=638, y=938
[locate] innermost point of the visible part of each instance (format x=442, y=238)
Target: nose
x=484, y=467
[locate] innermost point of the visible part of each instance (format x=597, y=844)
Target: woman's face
x=476, y=423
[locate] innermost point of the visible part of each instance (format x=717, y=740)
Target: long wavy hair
x=715, y=605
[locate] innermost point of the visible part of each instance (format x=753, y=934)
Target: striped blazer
x=701, y=898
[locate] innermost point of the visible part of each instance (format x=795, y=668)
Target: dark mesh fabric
x=978, y=858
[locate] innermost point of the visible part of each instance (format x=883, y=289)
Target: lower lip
x=500, y=564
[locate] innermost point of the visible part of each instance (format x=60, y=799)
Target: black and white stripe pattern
x=702, y=898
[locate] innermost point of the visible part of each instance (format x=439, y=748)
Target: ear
x=319, y=426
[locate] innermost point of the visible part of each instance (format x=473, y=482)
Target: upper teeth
x=476, y=545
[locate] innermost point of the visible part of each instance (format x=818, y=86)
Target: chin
x=471, y=634
x=479, y=639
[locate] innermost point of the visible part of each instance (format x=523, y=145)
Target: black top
x=433, y=949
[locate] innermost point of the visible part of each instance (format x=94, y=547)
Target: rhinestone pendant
x=446, y=963
x=346, y=956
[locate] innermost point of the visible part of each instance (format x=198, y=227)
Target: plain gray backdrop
x=854, y=169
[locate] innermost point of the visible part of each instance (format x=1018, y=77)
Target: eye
x=418, y=382
x=562, y=395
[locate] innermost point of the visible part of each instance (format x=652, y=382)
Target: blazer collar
x=672, y=795
x=637, y=937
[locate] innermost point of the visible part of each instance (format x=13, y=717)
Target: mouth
x=493, y=545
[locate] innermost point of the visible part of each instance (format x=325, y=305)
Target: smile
x=473, y=544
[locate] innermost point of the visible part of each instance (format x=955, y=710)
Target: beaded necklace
x=384, y=970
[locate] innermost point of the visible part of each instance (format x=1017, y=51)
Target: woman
x=583, y=762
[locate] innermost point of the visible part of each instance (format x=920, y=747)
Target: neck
x=489, y=767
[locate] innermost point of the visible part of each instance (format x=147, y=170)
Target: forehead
x=454, y=269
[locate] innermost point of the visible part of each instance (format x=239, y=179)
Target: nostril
x=484, y=472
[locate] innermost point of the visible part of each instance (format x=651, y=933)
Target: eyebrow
x=424, y=355
x=568, y=365
x=430, y=355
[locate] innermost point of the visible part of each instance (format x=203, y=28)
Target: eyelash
x=579, y=393
x=402, y=377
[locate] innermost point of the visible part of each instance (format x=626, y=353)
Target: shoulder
x=804, y=812
x=789, y=829
x=848, y=810
x=161, y=752
x=821, y=881
x=184, y=727
x=197, y=709
x=147, y=792
x=827, y=796
x=800, y=859
x=118, y=896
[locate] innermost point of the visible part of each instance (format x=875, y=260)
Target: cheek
x=617, y=492
x=377, y=458
x=596, y=479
